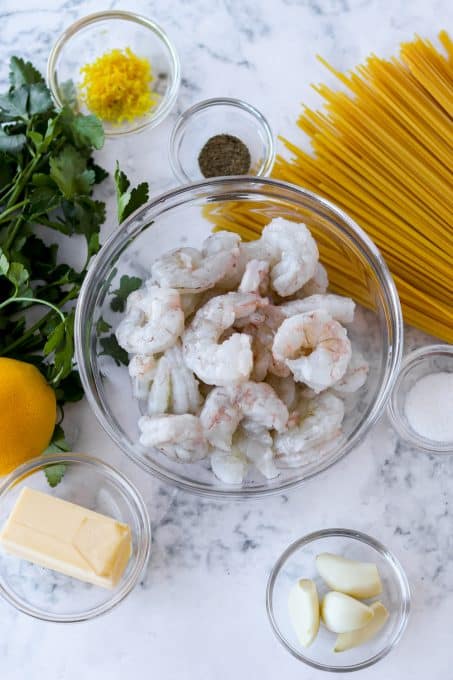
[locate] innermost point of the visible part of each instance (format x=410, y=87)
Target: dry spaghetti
x=383, y=152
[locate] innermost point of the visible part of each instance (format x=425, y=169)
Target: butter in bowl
x=74, y=552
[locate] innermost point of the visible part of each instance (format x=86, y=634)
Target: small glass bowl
x=298, y=561
x=51, y=596
x=214, y=117
x=92, y=36
x=417, y=364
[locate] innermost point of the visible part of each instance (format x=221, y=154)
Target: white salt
x=429, y=407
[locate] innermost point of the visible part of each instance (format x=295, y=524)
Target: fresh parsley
x=47, y=177
x=111, y=348
x=55, y=472
x=128, y=200
x=127, y=286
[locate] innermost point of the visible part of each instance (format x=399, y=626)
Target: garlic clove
x=355, y=638
x=342, y=613
x=303, y=605
x=359, y=579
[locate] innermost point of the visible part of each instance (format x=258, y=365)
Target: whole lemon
x=27, y=413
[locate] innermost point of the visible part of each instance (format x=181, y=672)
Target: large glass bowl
x=181, y=217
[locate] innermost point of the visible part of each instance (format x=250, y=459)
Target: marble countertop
x=200, y=611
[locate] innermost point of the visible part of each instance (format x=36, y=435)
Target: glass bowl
x=214, y=117
x=417, y=364
x=51, y=596
x=92, y=36
x=298, y=561
x=185, y=216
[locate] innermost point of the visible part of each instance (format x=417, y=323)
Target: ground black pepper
x=224, y=155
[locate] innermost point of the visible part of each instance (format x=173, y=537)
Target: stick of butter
x=68, y=538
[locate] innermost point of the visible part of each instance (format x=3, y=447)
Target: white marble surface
x=200, y=612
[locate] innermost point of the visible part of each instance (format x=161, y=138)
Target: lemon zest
x=117, y=86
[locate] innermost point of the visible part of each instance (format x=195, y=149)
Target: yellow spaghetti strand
x=382, y=151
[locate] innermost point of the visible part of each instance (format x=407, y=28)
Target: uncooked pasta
x=382, y=151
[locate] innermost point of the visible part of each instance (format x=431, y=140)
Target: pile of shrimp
x=239, y=355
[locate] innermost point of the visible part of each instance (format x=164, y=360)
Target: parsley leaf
x=23, y=73
x=11, y=143
x=111, y=348
x=39, y=99
x=102, y=326
x=127, y=200
x=55, y=473
x=99, y=173
x=58, y=444
x=4, y=264
x=69, y=171
x=127, y=286
x=88, y=131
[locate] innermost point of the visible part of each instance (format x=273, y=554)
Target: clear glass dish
x=298, y=561
x=180, y=217
x=92, y=36
x=215, y=117
x=46, y=594
x=417, y=364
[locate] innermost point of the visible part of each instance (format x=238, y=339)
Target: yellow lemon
x=27, y=413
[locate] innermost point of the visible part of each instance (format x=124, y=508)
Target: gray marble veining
x=199, y=611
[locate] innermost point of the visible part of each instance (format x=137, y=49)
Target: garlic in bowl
x=353, y=633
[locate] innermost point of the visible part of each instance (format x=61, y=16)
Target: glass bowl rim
x=369, y=251
x=423, y=444
x=389, y=557
x=143, y=542
x=170, y=97
x=186, y=116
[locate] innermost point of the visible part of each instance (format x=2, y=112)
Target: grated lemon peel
x=117, y=86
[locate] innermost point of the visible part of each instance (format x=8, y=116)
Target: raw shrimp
x=284, y=387
x=255, y=278
x=230, y=361
x=159, y=396
x=255, y=443
x=317, y=285
x=190, y=270
x=174, y=388
x=230, y=468
x=142, y=369
x=262, y=355
x=185, y=394
x=180, y=437
x=355, y=376
x=291, y=251
x=315, y=348
x=225, y=407
x=189, y=303
x=318, y=420
x=261, y=327
x=340, y=308
x=312, y=454
x=153, y=322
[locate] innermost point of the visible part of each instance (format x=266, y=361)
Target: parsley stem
x=9, y=211
x=37, y=301
x=12, y=233
x=25, y=176
x=17, y=343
